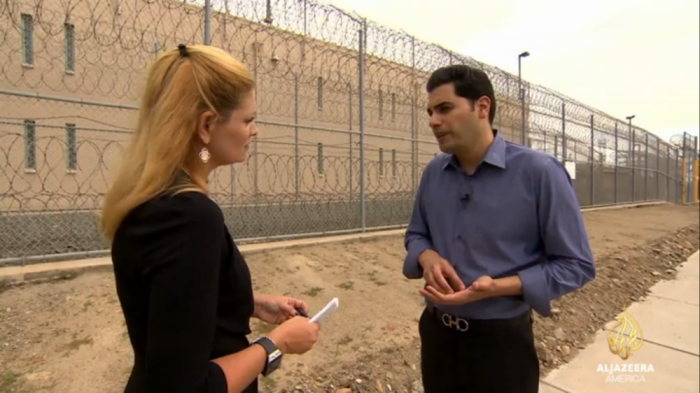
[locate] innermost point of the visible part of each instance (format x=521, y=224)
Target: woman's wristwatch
x=274, y=355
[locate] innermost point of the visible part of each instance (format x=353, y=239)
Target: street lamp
x=631, y=131
x=521, y=93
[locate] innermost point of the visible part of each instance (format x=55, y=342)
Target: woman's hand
x=295, y=336
x=277, y=309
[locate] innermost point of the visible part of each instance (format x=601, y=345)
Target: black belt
x=467, y=324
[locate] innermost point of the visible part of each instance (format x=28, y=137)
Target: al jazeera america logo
x=623, y=339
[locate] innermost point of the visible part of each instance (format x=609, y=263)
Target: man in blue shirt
x=496, y=232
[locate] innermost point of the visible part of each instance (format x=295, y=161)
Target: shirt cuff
x=411, y=268
x=535, y=290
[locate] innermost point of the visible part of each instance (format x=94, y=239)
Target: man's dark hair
x=469, y=83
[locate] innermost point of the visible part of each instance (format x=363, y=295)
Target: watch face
x=276, y=354
x=273, y=362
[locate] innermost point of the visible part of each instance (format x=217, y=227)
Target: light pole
x=631, y=142
x=521, y=94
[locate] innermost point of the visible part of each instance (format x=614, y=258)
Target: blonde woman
x=184, y=288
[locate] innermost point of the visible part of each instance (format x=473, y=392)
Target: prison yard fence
x=343, y=137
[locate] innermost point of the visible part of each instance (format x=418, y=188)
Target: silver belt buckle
x=454, y=322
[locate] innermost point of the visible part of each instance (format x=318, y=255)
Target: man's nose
x=433, y=122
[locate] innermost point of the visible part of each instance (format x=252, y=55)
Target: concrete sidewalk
x=670, y=321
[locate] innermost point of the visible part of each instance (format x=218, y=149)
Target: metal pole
x=256, y=190
x=207, y=22
x=522, y=100
x=678, y=183
x=233, y=184
x=305, y=19
x=414, y=125
x=156, y=46
x=268, y=12
x=658, y=169
x=634, y=163
x=616, y=162
x=695, y=175
x=296, y=134
x=564, y=142
x=350, y=167
x=592, y=161
x=684, y=171
x=646, y=165
x=361, y=62
x=668, y=173
x=563, y=122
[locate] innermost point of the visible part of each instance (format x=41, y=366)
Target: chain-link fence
x=344, y=134
x=688, y=145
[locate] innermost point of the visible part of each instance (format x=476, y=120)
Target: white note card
x=330, y=307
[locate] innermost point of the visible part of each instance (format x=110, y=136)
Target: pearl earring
x=204, y=155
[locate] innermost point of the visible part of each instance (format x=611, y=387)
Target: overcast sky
x=623, y=57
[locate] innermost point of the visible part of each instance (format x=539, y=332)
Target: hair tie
x=183, y=50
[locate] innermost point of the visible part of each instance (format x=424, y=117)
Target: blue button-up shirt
x=516, y=214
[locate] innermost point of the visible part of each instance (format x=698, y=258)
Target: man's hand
x=439, y=274
x=482, y=288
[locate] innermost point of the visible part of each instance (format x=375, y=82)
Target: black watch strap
x=274, y=355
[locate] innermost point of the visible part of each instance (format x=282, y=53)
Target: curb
x=64, y=270
x=52, y=271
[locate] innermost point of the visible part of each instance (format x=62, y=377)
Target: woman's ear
x=204, y=126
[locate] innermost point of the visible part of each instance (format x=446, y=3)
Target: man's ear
x=204, y=125
x=483, y=106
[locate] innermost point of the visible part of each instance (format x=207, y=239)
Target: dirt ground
x=69, y=336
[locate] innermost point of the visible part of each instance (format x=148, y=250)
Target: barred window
x=27, y=39
x=29, y=144
x=69, y=49
x=319, y=87
x=71, y=147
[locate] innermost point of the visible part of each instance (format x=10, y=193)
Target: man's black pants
x=488, y=357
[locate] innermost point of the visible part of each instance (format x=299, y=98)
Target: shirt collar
x=496, y=155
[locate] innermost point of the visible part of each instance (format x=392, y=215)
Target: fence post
x=634, y=163
x=696, y=178
x=679, y=182
x=592, y=157
x=296, y=134
x=616, y=164
x=207, y=22
x=414, y=120
x=256, y=152
x=564, y=142
x=646, y=165
x=350, y=137
x=668, y=173
x=563, y=131
x=696, y=190
x=684, y=156
x=523, y=131
x=361, y=72
x=658, y=169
